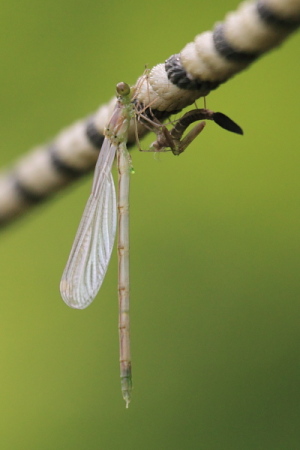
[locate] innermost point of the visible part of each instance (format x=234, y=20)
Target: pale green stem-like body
x=124, y=168
x=123, y=284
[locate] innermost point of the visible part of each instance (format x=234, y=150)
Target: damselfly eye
x=123, y=88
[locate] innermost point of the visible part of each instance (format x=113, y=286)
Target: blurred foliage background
x=214, y=250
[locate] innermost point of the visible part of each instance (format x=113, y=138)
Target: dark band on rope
x=271, y=18
x=27, y=194
x=95, y=138
x=227, y=51
x=61, y=166
x=178, y=76
x=28, y=198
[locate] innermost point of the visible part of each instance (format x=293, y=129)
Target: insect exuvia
x=92, y=247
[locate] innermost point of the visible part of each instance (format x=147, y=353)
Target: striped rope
x=202, y=65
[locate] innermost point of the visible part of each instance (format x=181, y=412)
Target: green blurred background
x=214, y=247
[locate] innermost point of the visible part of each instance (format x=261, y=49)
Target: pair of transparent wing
x=94, y=241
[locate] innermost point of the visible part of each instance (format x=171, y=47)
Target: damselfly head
x=122, y=89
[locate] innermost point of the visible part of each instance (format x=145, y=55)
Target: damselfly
x=91, y=251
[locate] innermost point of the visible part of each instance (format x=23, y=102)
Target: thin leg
x=172, y=139
x=181, y=145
